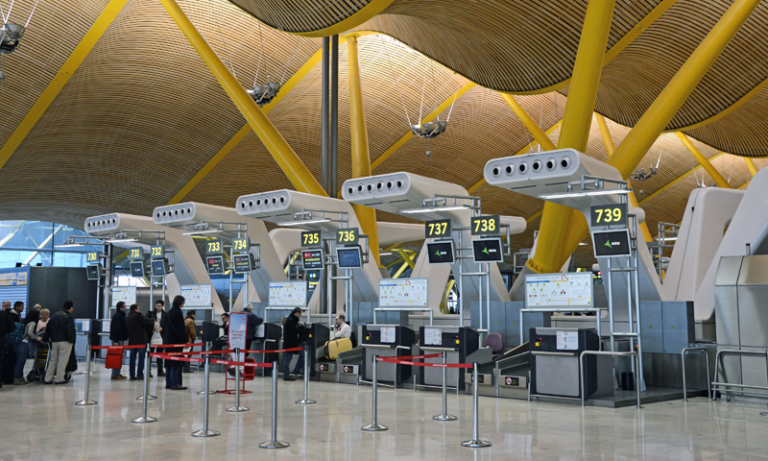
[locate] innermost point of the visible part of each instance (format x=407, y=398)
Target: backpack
x=16, y=335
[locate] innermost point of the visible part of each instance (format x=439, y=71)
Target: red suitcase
x=114, y=358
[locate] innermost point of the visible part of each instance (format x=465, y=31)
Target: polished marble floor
x=42, y=423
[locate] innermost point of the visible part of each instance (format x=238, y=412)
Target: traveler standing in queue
x=174, y=332
x=139, y=328
x=118, y=334
x=6, y=307
x=292, y=338
x=157, y=335
x=6, y=326
x=45, y=314
x=28, y=341
x=17, y=342
x=189, y=324
x=252, y=324
x=341, y=329
x=18, y=308
x=61, y=331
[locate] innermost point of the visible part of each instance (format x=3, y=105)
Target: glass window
x=36, y=242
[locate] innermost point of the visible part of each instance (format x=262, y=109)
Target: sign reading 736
x=348, y=236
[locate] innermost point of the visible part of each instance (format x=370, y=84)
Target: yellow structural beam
x=242, y=132
x=286, y=158
x=554, y=232
x=61, y=78
x=535, y=130
x=751, y=165
x=361, y=158
x=719, y=179
x=432, y=115
x=525, y=149
x=406, y=257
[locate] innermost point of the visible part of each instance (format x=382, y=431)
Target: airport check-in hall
x=383, y=230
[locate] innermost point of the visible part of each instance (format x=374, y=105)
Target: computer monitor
x=159, y=267
x=487, y=250
x=93, y=271
x=243, y=263
x=137, y=269
x=441, y=252
x=611, y=243
x=215, y=264
x=350, y=257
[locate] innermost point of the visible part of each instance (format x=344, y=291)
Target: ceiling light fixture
x=302, y=223
x=435, y=209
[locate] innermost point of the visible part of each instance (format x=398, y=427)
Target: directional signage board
x=93, y=272
x=436, y=229
x=213, y=247
x=215, y=264
x=92, y=257
x=609, y=215
x=243, y=264
x=559, y=290
x=241, y=245
x=157, y=252
x=403, y=292
x=312, y=259
x=159, y=267
x=440, y=252
x=485, y=225
x=611, y=243
x=137, y=269
x=487, y=250
x=135, y=254
x=348, y=236
x=310, y=239
x=288, y=294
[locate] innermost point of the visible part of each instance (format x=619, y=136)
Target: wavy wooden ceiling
x=143, y=114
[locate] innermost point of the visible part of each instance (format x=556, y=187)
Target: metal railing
x=723, y=387
x=709, y=377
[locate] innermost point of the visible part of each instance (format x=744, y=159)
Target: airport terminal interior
x=384, y=230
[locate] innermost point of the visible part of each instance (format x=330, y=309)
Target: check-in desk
x=512, y=373
x=267, y=338
x=555, y=364
x=460, y=345
x=318, y=335
x=386, y=341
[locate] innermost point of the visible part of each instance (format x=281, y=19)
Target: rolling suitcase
x=337, y=346
x=114, y=359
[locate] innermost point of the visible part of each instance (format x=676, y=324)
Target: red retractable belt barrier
x=422, y=364
x=177, y=358
x=241, y=364
x=140, y=346
x=417, y=357
x=199, y=352
x=179, y=345
x=294, y=349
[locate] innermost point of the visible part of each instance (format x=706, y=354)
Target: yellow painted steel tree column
x=361, y=159
x=719, y=179
x=286, y=158
x=529, y=123
x=751, y=165
x=551, y=250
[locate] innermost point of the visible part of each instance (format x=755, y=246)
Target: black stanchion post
x=273, y=442
x=205, y=432
x=143, y=419
x=86, y=401
x=306, y=400
x=375, y=426
x=445, y=416
x=147, y=369
x=475, y=442
x=237, y=408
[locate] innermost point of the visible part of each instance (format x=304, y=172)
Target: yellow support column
x=553, y=231
x=751, y=165
x=286, y=158
x=361, y=159
x=529, y=123
x=719, y=179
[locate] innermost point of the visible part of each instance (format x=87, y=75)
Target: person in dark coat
x=174, y=332
x=6, y=325
x=61, y=331
x=118, y=334
x=292, y=338
x=252, y=324
x=139, y=328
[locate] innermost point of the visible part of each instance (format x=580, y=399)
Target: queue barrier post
x=306, y=400
x=146, y=395
x=475, y=442
x=144, y=419
x=237, y=408
x=87, y=401
x=203, y=392
x=374, y=426
x=444, y=416
x=274, y=443
x=205, y=432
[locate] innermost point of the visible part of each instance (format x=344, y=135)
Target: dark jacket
x=139, y=328
x=5, y=326
x=252, y=323
x=292, y=332
x=174, y=332
x=61, y=327
x=117, y=329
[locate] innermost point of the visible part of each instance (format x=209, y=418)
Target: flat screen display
x=487, y=250
x=350, y=257
x=215, y=264
x=243, y=263
x=440, y=252
x=159, y=268
x=93, y=272
x=137, y=269
x=313, y=259
x=559, y=290
x=611, y=243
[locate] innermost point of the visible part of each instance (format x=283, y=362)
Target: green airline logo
x=437, y=253
x=608, y=244
x=485, y=250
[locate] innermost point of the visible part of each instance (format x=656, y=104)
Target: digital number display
x=310, y=239
x=243, y=264
x=312, y=259
x=93, y=257
x=213, y=247
x=439, y=228
x=215, y=265
x=135, y=254
x=348, y=236
x=609, y=215
x=485, y=225
x=241, y=245
x=157, y=252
